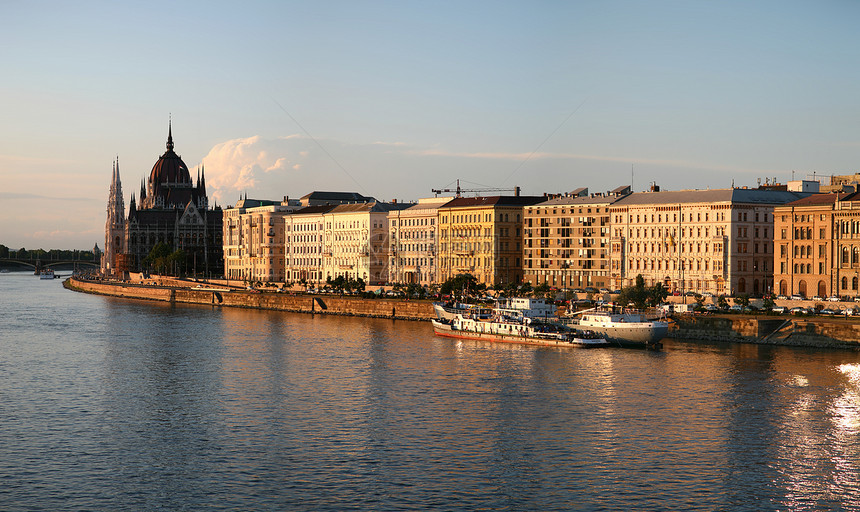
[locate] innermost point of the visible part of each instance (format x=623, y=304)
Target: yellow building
x=483, y=236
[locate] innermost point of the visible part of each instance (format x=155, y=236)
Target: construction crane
x=458, y=191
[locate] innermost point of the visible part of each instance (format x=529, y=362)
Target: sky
x=394, y=99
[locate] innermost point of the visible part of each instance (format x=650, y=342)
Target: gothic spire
x=202, y=185
x=170, y=135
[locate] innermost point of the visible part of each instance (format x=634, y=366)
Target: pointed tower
x=115, y=224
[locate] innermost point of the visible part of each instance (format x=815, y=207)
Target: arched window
x=822, y=289
x=801, y=287
x=845, y=256
x=844, y=283
x=742, y=285
x=854, y=283
x=783, y=287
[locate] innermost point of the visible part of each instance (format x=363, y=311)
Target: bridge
x=39, y=264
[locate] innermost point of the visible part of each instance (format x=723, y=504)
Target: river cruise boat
x=553, y=335
x=624, y=327
x=46, y=274
x=450, y=310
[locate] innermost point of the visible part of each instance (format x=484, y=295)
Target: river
x=113, y=404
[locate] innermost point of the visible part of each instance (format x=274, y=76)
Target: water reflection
x=137, y=405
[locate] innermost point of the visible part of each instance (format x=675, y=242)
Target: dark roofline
x=464, y=202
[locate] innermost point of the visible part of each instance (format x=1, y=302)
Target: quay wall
x=801, y=332
x=399, y=309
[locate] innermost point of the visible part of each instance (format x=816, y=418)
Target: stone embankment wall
x=783, y=330
x=319, y=304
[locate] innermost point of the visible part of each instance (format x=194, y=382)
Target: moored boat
x=512, y=332
x=626, y=328
x=46, y=274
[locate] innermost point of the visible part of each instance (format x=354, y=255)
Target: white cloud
x=239, y=165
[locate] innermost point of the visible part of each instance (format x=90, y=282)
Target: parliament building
x=172, y=209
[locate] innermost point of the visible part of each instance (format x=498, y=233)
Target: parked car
x=796, y=297
x=828, y=311
x=710, y=308
x=833, y=298
x=736, y=309
x=816, y=297
x=781, y=297
x=797, y=311
x=778, y=309
x=604, y=290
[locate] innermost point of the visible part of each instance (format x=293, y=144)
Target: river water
x=111, y=404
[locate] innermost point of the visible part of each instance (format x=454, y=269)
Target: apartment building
x=355, y=241
x=566, y=240
x=717, y=241
x=483, y=236
x=253, y=240
x=413, y=242
x=303, y=253
x=818, y=246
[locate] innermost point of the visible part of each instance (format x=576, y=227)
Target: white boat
x=46, y=274
x=450, y=311
x=630, y=327
x=548, y=335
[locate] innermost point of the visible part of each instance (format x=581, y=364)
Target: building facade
x=355, y=242
x=304, y=251
x=818, y=246
x=413, y=242
x=483, y=236
x=566, y=241
x=716, y=241
x=173, y=210
x=254, y=240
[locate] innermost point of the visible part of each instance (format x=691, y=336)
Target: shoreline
x=748, y=329
x=396, y=309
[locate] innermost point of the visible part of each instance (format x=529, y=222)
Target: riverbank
x=763, y=330
x=398, y=309
x=768, y=330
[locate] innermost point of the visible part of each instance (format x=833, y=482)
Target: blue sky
x=392, y=99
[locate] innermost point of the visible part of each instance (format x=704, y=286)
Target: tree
x=723, y=302
x=462, y=286
x=742, y=300
x=158, y=258
x=541, y=290
x=643, y=296
x=767, y=303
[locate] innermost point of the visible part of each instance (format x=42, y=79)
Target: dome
x=169, y=168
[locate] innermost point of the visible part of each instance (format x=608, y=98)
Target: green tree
x=767, y=303
x=541, y=290
x=722, y=302
x=462, y=286
x=158, y=258
x=643, y=296
x=742, y=300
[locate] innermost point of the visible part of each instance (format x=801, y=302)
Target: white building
x=355, y=242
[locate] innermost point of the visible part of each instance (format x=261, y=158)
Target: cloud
x=239, y=165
